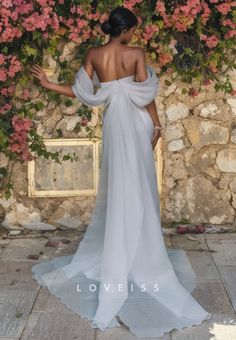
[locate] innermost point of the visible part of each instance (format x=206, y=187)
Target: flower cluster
x=18, y=139
x=184, y=16
x=9, y=66
x=27, y=27
x=203, y=31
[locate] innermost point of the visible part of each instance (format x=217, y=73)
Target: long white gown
x=122, y=266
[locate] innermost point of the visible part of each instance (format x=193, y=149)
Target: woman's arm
x=142, y=75
x=62, y=89
x=151, y=107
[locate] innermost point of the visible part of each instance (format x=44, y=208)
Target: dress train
x=122, y=266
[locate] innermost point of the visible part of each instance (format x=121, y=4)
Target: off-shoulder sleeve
x=83, y=88
x=142, y=93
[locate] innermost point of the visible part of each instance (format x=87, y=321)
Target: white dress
x=122, y=266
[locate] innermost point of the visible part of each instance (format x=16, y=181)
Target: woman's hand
x=40, y=74
x=156, y=135
x=65, y=90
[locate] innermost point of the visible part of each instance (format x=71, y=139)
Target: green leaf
x=30, y=50
x=3, y=171
x=68, y=103
x=59, y=132
x=153, y=55
x=160, y=23
x=39, y=105
x=5, y=49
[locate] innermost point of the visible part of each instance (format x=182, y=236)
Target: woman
x=122, y=270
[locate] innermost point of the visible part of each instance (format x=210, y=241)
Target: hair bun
x=106, y=27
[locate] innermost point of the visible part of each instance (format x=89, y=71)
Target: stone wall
x=199, y=155
x=198, y=151
x=21, y=214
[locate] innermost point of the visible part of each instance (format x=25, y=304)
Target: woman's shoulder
x=132, y=48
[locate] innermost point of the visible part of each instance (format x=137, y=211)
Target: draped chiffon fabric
x=122, y=267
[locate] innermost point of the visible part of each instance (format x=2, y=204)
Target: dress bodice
x=140, y=93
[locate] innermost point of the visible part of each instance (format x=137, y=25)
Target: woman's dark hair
x=119, y=19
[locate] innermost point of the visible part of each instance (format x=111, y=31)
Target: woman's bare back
x=113, y=62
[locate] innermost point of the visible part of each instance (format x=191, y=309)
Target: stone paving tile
x=167, y=240
x=224, y=248
x=181, y=241
x=213, y=297
x=15, y=307
x=57, y=326
x=233, y=301
x=203, y=266
x=3, y=244
x=16, y=275
x=122, y=333
x=19, y=249
x=47, y=302
x=221, y=236
x=50, y=319
x=219, y=327
x=228, y=275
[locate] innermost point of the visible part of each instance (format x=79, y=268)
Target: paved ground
x=29, y=312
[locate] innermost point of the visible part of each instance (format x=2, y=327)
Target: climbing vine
x=187, y=39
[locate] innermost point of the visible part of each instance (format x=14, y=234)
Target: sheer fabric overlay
x=122, y=266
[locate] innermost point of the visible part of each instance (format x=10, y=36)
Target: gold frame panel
x=32, y=192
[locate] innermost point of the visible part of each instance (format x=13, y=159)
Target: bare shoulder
x=136, y=50
x=138, y=54
x=140, y=51
x=90, y=52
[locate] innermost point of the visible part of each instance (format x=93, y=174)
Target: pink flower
x=193, y=93
x=212, y=41
x=206, y=13
x=230, y=34
x=199, y=228
x=11, y=90
x=223, y=8
x=169, y=70
x=4, y=91
x=21, y=124
x=27, y=123
x=73, y=9
x=165, y=58
x=2, y=59
x=150, y=31
x=5, y=108
x=3, y=74
x=7, y=3
x=233, y=93
x=19, y=138
x=160, y=7
x=15, y=147
x=84, y=121
x=182, y=229
x=26, y=156
x=80, y=11
x=207, y=82
x=26, y=94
